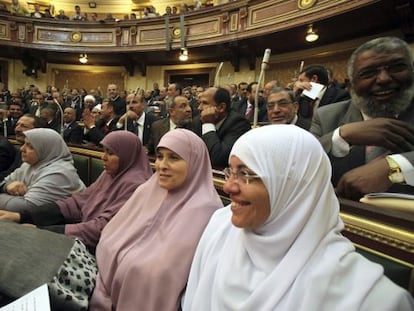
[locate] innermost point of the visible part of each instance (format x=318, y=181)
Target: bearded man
x=370, y=138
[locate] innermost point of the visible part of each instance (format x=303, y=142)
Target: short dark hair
x=222, y=96
x=250, y=86
x=318, y=70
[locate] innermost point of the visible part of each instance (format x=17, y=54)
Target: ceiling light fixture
x=183, y=55
x=311, y=35
x=83, y=58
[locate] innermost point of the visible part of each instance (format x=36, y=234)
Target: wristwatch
x=394, y=175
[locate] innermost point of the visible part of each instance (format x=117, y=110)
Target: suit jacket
x=7, y=154
x=331, y=95
x=303, y=123
x=73, y=133
x=96, y=134
x=220, y=142
x=330, y=117
x=241, y=107
x=148, y=120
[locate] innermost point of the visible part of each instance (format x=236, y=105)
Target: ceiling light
x=311, y=35
x=183, y=55
x=83, y=58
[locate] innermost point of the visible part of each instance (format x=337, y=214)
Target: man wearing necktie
x=135, y=119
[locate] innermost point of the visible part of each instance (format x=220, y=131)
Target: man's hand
x=371, y=177
x=394, y=135
x=88, y=118
x=12, y=216
x=130, y=115
x=209, y=115
x=299, y=86
x=16, y=188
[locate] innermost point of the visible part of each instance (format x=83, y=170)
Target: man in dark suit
x=282, y=108
x=72, y=132
x=137, y=121
x=7, y=154
x=245, y=106
x=49, y=115
x=219, y=126
x=118, y=102
x=94, y=133
x=358, y=134
x=318, y=74
x=179, y=116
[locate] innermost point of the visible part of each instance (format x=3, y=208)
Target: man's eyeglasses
x=242, y=174
x=370, y=73
x=281, y=104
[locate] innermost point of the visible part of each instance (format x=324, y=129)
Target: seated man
x=137, y=121
x=317, y=74
x=358, y=133
x=282, y=108
x=247, y=104
x=106, y=124
x=179, y=116
x=72, y=132
x=219, y=126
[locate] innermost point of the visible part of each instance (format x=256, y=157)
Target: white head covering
x=297, y=260
x=52, y=178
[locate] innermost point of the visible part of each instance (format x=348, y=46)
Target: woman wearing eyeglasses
x=278, y=245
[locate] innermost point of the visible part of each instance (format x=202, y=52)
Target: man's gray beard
x=377, y=109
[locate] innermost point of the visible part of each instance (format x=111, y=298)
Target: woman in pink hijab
x=145, y=251
x=85, y=214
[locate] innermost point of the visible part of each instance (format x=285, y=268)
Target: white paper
x=314, y=91
x=389, y=195
x=36, y=300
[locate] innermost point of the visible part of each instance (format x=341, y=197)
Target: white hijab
x=297, y=260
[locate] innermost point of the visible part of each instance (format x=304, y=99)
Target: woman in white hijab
x=278, y=245
x=46, y=175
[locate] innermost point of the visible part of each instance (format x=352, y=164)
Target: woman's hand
x=12, y=216
x=17, y=188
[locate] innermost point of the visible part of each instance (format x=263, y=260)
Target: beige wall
x=282, y=67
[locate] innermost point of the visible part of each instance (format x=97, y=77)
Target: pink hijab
x=98, y=203
x=145, y=252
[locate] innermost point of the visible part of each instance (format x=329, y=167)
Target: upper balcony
x=228, y=32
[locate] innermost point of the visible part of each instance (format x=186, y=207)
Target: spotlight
x=83, y=58
x=183, y=55
x=311, y=35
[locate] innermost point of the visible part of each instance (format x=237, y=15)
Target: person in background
x=218, y=126
x=61, y=15
x=46, y=175
x=95, y=130
x=370, y=138
x=316, y=73
x=166, y=215
x=278, y=245
x=118, y=102
x=17, y=9
x=282, y=108
x=72, y=132
x=49, y=116
x=25, y=123
x=179, y=116
x=84, y=214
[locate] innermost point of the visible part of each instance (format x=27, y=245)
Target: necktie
x=249, y=111
x=106, y=129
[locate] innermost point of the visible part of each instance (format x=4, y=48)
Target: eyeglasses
x=241, y=174
x=391, y=69
x=281, y=104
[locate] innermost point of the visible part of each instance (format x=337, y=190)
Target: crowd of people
x=164, y=241
x=16, y=8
